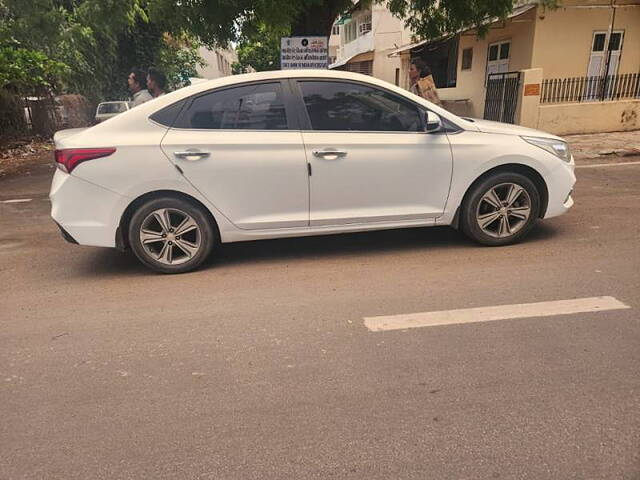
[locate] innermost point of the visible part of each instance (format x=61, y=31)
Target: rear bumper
x=86, y=213
x=66, y=234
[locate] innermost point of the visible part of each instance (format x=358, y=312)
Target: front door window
x=342, y=106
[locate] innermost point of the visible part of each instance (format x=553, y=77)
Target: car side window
x=167, y=116
x=354, y=107
x=250, y=107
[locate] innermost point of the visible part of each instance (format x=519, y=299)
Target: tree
x=25, y=71
x=220, y=21
x=258, y=49
x=89, y=46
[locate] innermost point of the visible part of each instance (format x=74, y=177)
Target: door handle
x=329, y=153
x=191, y=155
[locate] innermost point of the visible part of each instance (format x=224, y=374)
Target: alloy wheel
x=503, y=210
x=170, y=236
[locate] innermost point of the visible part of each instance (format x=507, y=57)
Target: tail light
x=70, y=158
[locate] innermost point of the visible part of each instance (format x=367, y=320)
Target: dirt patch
x=20, y=156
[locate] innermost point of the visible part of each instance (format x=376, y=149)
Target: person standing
x=422, y=83
x=137, y=82
x=156, y=81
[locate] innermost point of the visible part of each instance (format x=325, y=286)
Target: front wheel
x=501, y=209
x=171, y=235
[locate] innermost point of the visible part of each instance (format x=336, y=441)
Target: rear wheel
x=501, y=209
x=171, y=235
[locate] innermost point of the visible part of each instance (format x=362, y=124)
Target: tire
x=500, y=209
x=171, y=235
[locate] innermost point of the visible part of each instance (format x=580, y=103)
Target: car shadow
x=344, y=244
x=542, y=231
x=109, y=261
x=112, y=262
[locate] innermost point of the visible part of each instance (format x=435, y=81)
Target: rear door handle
x=191, y=155
x=329, y=153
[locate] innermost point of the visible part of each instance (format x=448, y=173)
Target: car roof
x=282, y=74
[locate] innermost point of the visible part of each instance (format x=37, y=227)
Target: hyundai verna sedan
x=296, y=153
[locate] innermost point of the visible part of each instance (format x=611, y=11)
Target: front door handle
x=329, y=153
x=191, y=155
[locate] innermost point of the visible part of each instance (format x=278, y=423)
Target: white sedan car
x=295, y=153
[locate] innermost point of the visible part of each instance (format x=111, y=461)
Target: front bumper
x=86, y=213
x=560, y=184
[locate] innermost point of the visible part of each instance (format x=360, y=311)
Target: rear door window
x=167, y=116
x=249, y=107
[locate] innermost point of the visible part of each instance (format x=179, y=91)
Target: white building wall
x=218, y=62
x=387, y=33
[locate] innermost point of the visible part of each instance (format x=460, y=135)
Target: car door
x=370, y=157
x=241, y=148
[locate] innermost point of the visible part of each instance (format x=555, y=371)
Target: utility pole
x=608, y=46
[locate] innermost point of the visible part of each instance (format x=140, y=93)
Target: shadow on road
x=368, y=243
x=111, y=262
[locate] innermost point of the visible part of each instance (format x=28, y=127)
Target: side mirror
x=432, y=122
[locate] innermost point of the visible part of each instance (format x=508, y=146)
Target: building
x=584, y=52
x=362, y=40
x=218, y=62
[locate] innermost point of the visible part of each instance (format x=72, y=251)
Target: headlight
x=559, y=148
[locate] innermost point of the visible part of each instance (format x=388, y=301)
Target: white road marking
x=598, y=165
x=17, y=200
x=488, y=314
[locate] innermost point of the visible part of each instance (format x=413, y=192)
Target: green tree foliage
x=87, y=46
x=433, y=18
x=221, y=21
x=217, y=22
x=258, y=49
x=257, y=24
x=23, y=71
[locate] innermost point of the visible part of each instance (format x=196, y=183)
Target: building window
x=364, y=25
x=498, y=57
x=397, y=77
x=335, y=30
x=598, y=42
x=366, y=67
x=442, y=59
x=605, y=53
x=219, y=61
x=350, y=32
x=467, y=58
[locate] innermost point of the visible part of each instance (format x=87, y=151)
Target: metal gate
x=502, y=96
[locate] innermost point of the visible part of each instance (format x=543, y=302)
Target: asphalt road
x=259, y=366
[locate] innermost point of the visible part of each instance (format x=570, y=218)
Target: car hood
x=487, y=126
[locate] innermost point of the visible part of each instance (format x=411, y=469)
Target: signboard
x=531, y=89
x=303, y=52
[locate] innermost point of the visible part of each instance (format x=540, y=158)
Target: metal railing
x=590, y=89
